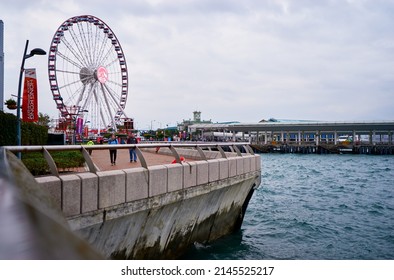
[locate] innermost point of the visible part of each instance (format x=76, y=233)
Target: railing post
x=175, y=153
x=141, y=157
x=88, y=160
x=201, y=152
x=221, y=151
x=50, y=161
x=237, y=151
x=249, y=149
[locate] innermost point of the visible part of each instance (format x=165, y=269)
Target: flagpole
x=33, y=52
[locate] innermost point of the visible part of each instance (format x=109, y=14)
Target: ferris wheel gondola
x=87, y=70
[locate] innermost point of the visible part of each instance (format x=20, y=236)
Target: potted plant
x=11, y=104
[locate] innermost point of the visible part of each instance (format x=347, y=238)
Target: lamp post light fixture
x=164, y=132
x=33, y=52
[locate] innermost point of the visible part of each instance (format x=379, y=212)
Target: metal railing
x=235, y=147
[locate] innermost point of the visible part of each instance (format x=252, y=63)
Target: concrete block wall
x=213, y=172
x=174, y=177
x=89, y=191
x=158, y=176
x=258, y=163
x=224, y=167
x=84, y=192
x=189, y=174
x=112, y=188
x=53, y=185
x=202, y=172
x=71, y=194
x=240, y=165
x=232, y=167
x=137, y=183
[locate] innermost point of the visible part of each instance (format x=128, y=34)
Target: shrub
x=64, y=160
x=32, y=134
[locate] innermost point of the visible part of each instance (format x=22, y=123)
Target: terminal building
x=305, y=135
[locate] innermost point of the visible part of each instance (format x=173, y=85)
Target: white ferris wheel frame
x=87, y=72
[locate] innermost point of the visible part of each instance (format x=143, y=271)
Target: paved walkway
x=102, y=160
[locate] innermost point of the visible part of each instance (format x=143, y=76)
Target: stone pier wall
x=156, y=212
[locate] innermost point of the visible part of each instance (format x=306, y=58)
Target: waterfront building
x=329, y=136
x=183, y=127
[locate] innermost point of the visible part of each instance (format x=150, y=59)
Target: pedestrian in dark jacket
x=132, y=140
x=112, y=152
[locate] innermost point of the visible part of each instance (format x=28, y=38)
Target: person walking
x=90, y=143
x=132, y=140
x=112, y=152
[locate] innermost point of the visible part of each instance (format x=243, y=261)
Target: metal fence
x=221, y=147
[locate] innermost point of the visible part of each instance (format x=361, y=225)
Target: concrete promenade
x=102, y=161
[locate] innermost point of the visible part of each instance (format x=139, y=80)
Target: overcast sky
x=232, y=60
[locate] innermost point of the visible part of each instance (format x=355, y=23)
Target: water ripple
x=316, y=207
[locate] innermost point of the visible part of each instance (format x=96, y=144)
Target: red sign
x=30, y=101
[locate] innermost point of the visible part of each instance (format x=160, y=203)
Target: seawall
x=164, y=226
x=157, y=212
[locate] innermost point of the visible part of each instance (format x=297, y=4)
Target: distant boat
x=345, y=139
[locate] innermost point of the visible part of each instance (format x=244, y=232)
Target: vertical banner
x=29, y=100
x=79, y=125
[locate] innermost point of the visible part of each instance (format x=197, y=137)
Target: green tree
x=44, y=120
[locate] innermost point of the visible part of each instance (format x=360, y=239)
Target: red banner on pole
x=30, y=101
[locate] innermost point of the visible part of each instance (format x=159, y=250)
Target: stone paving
x=102, y=160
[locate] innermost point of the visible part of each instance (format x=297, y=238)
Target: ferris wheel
x=88, y=73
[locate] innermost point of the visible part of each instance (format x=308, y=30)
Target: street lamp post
x=151, y=124
x=33, y=52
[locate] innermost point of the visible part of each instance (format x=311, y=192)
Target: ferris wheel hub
x=86, y=75
x=101, y=74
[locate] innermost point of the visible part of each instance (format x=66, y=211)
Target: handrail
x=123, y=146
x=92, y=168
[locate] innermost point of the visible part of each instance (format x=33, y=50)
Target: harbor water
x=325, y=207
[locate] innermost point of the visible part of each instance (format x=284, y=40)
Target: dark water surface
x=315, y=207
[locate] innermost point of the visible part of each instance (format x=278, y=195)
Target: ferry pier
x=305, y=136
